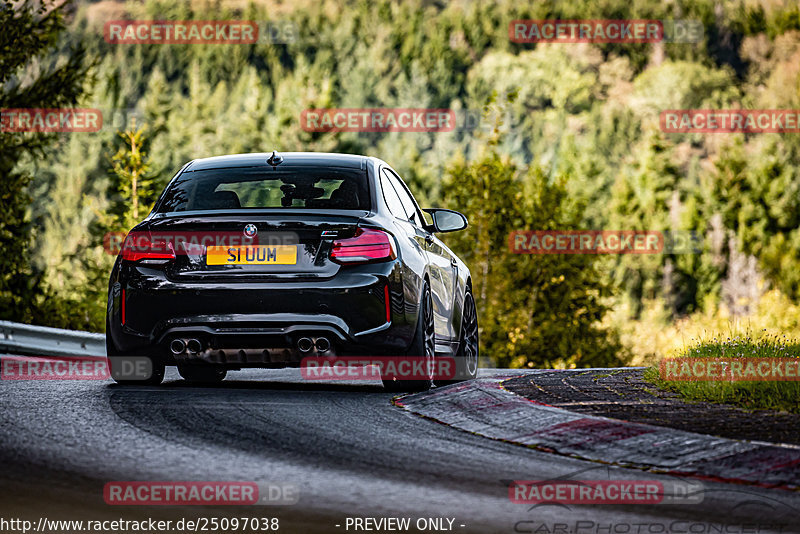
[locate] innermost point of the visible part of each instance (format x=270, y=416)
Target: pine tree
x=29, y=36
x=133, y=182
x=534, y=310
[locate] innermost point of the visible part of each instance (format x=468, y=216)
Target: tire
x=423, y=345
x=468, y=344
x=202, y=373
x=116, y=359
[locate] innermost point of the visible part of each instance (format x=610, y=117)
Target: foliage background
x=559, y=136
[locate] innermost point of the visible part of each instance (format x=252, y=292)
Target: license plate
x=252, y=255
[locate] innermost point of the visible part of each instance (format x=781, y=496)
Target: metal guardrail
x=19, y=338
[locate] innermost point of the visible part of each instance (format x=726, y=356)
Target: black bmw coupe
x=262, y=260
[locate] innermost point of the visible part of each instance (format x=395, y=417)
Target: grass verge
x=750, y=395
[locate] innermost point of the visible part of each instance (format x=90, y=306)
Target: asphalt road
x=350, y=452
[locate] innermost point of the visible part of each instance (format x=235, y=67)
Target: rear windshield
x=296, y=187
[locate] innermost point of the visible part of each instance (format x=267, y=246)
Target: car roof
x=290, y=159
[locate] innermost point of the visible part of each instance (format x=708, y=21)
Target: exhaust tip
x=305, y=344
x=323, y=344
x=177, y=346
x=194, y=346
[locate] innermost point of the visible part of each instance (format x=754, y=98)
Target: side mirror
x=447, y=220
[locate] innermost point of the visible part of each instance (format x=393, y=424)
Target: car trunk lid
x=284, y=246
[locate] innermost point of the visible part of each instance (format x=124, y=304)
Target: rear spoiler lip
x=357, y=214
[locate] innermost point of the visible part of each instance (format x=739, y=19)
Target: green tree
x=758, y=198
x=131, y=193
x=132, y=179
x=643, y=200
x=534, y=310
x=28, y=40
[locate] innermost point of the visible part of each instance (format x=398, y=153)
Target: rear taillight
x=140, y=246
x=364, y=247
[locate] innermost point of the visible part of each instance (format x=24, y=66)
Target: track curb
x=484, y=407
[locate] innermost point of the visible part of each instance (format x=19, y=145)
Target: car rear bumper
x=258, y=323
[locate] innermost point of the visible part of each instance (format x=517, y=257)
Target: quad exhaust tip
x=323, y=344
x=304, y=344
x=177, y=346
x=194, y=346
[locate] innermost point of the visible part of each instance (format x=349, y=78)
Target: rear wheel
x=202, y=374
x=120, y=365
x=423, y=346
x=467, y=356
